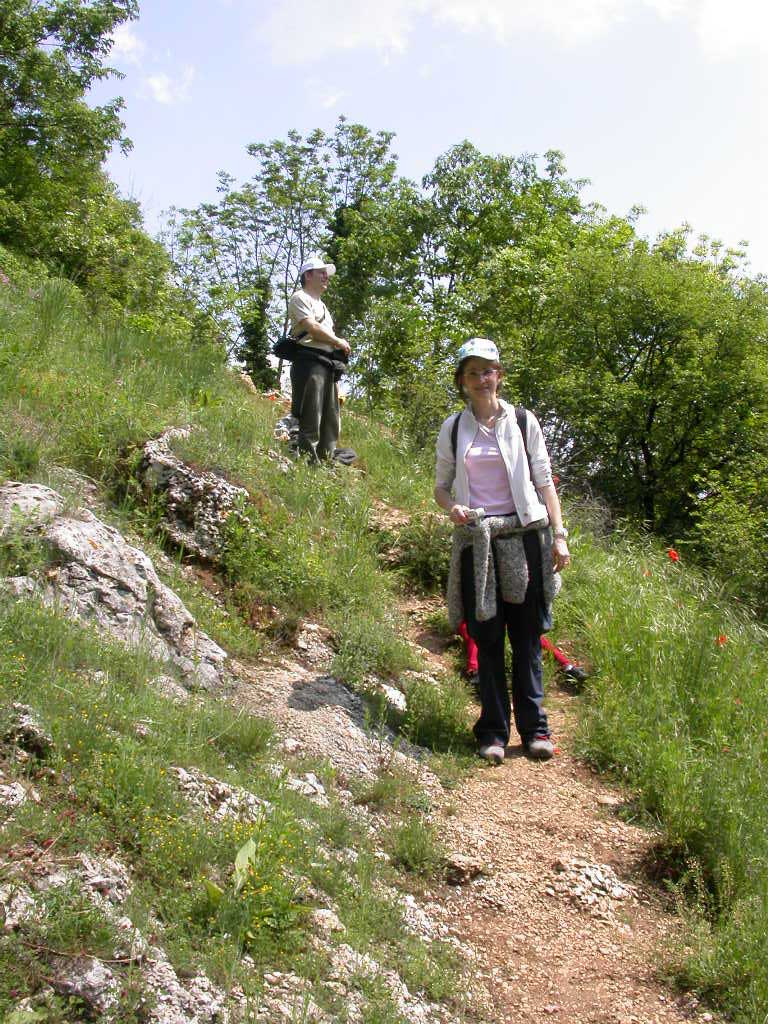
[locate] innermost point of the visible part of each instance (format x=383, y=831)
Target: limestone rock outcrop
x=96, y=576
x=197, y=503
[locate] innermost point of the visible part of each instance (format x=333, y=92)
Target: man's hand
x=343, y=344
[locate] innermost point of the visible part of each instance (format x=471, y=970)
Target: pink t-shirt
x=487, y=475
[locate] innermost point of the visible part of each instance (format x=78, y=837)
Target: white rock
x=12, y=796
x=217, y=798
x=89, y=980
x=197, y=503
x=327, y=921
x=17, y=906
x=102, y=579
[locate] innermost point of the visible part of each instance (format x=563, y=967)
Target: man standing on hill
x=314, y=396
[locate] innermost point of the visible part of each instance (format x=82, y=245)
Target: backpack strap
x=521, y=416
x=455, y=433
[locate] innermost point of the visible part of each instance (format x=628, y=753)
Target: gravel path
x=565, y=923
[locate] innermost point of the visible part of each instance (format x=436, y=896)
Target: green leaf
x=245, y=857
x=213, y=892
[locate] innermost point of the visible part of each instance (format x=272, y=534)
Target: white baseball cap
x=316, y=263
x=480, y=347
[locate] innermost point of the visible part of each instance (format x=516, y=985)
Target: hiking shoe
x=540, y=747
x=492, y=752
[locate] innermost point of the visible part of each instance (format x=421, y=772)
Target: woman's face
x=480, y=378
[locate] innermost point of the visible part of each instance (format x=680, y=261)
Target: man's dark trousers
x=315, y=404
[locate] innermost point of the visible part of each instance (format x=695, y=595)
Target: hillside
x=275, y=837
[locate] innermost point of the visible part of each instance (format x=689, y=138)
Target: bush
x=422, y=550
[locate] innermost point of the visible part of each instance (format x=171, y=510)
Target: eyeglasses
x=482, y=374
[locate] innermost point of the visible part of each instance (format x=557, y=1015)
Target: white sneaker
x=492, y=752
x=540, y=747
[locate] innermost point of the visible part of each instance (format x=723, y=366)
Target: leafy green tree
x=255, y=347
x=243, y=253
x=641, y=358
x=439, y=251
x=480, y=203
x=52, y=144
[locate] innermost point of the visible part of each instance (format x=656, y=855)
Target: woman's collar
x=504, y=408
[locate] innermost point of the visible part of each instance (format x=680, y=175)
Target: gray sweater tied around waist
x=502, y=534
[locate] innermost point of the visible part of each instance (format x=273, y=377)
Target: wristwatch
x=560, y=533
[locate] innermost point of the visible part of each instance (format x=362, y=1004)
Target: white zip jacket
x=451, y=473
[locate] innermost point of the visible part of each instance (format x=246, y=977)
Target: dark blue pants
x=523, y=624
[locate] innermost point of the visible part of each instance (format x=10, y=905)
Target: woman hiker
x=506, y=557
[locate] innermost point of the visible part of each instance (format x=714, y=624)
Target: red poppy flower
x=673, y=555
x=722, y=640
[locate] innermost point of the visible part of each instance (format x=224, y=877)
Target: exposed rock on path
x=323, y=718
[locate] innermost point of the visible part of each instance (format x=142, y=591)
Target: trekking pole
x=573, y=672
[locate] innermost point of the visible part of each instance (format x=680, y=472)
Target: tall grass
x=676, y=705
x=81, y=391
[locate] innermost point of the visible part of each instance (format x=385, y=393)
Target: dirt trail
x=563, y=923
x=566, y=924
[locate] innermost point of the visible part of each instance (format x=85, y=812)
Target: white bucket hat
x=316, y=263
x=480, y=347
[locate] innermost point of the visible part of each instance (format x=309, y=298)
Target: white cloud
x=323, y=94
x=301, y=31
x=331, y=98
x=669, y=9
x=729, y=30
x=568, y=20
x=168, y=90
x=126, y=46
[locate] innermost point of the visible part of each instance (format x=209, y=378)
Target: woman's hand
x=561, y=556
x=458, y=514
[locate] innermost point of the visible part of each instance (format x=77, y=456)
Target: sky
x=661, y=104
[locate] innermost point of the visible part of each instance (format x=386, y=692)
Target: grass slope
x=675, y=704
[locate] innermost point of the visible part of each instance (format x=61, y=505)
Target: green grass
x=107, y=789
x=676, y=707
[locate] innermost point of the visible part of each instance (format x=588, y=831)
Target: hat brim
x=329, y=268
x=479, y=348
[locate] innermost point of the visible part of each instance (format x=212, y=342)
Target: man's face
x=318, y=279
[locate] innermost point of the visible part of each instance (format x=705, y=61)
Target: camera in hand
x=474, y=515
